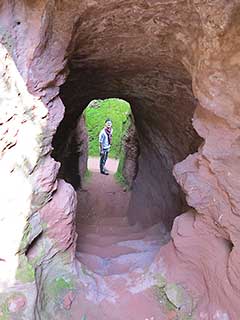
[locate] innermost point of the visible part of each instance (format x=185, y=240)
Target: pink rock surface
x=68, y=299
x=59, y=215
x=16, y=304
x=162, y=56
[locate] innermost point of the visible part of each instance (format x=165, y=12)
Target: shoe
x=104, y=172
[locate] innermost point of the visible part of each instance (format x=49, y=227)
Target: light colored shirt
x=103, y=139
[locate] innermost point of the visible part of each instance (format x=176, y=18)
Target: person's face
x=108, y=124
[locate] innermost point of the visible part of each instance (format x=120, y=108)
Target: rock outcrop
x=177, y=64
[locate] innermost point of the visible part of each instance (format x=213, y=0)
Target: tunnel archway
x=155, y=77
x=163, y=104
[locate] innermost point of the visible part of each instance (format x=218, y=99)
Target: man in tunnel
x=105, y=140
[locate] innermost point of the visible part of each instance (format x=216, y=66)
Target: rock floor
x=115, y=257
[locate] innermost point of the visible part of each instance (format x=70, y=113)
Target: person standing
x=105, y=141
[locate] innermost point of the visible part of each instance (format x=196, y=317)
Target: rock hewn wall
x=131, y=153
x=206, y=241
x=38, y=209
x=72, y=154
x=153, y=54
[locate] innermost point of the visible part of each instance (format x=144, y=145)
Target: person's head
x=108, y=123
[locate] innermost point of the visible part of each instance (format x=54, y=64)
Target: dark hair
x=108, y=120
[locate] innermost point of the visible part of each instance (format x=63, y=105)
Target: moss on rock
x=25, y=272
x=174, y=298
x=57, y=286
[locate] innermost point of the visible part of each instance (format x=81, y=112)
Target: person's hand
x=101, y=152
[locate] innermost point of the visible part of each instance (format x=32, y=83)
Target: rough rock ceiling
x=140, y=52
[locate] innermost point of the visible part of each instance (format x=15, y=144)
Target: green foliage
x=118, y=175
x=25, y=271
x=96, y=113
x=25, y=239
x=161, y=294
x=172, y=297
x=4, y=314
x=87, y=176
x=59, y=284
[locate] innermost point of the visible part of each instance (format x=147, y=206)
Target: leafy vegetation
x=172, y=297
x=161, y=295
x=60, y=284
x=87, y=176
x=4, y=314
x=96, y=113
x=25, y=271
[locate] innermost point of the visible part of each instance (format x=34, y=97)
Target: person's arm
x=111, y=136
x=101, y=148
x=101, y=137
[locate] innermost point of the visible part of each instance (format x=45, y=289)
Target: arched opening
x=122, y=136
x=165, y=134
x=83, y=142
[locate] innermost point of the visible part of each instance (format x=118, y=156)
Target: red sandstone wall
x=205, y=246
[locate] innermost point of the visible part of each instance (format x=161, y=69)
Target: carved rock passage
x=162, y=57
x=106, y=62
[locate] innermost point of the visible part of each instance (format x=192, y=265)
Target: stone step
x=123, y=248
x=155, y=232
x=103, y=229
x=119, y=265
x=117, y=248
x=107, y=221
x=103, y=241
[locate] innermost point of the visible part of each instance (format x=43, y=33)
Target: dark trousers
x=103, y=159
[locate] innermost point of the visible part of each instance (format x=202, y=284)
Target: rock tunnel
x=177, y=64
x=159, y=138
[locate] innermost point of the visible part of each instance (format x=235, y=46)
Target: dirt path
x=101, y=198
x=107, y=244
x=93, y=164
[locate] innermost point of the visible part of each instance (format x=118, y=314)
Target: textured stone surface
x=116, y=55
x=166, y=58
x=82, y=146
x=72, y=154
x=16, y=304
x=131, y=153
x=23, y=118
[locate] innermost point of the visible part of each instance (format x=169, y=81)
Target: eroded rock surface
x=130, y=150
x=166, y=58
x=72, y=154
